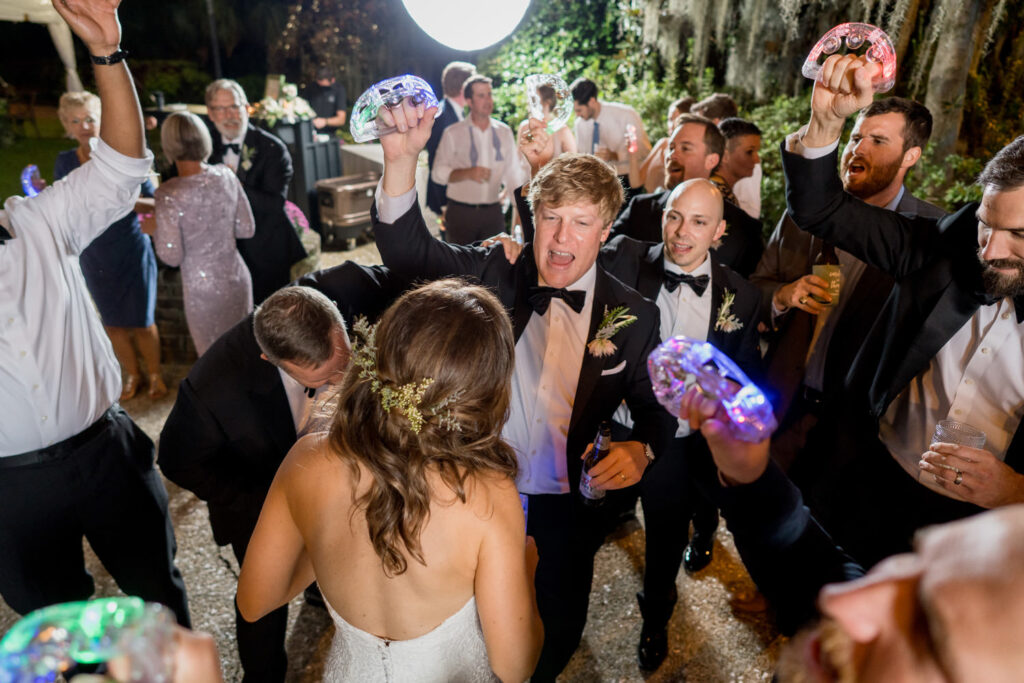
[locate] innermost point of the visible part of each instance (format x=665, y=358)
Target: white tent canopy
x=42, y=12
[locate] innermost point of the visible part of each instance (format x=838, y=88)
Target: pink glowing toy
x=856, y=34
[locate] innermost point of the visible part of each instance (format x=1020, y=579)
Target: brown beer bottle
x=602, y=444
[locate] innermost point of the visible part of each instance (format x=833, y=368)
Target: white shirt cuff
x=818, y=152
x=390, y=209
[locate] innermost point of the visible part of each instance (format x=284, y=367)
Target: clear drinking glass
x=962, y=434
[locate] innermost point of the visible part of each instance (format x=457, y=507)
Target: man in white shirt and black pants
x=72, y=463
x=475, y=158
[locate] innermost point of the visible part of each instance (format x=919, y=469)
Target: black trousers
x=260, y=643
x=568, y=535
x=106, y=490
x=670, y=499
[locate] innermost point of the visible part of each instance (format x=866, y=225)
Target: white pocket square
x=617, y=369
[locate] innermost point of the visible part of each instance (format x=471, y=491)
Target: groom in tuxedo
x=570, y=374
x=237, y=415
x=264, y=167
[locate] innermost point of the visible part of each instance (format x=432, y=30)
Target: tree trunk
x=947, y=81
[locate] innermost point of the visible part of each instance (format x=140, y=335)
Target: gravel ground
x=710, y=640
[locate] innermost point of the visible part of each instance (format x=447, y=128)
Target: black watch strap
x=111, y=58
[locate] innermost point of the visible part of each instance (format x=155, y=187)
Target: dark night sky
x=156, y=29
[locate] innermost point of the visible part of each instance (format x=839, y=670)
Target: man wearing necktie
x=264, y=167
x=476, y=157
x=247, y=400
x=566, y=382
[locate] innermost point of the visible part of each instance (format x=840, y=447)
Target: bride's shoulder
x=312, y=459
x=490, y=494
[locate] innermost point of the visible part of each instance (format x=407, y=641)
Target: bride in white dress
x=406, y=512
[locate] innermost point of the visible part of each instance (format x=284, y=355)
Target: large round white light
x=467, y=24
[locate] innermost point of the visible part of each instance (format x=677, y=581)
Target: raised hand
x=534, y=143
x=843, y=88
x=402, y=148
x=739, y=462
x=94, y=21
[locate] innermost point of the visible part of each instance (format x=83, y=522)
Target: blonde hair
x=571, y=178
x=184, y=137
x=74, y=100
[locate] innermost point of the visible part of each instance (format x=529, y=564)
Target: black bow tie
x=698, y=283
x=233, y=147
x=540, y=297
x=4, y=235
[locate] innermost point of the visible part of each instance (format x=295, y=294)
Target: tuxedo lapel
x=249, y=141
x=717, y=338
x=590, y=370
x=521, y=308
x=271, y=402
x=652, y=270
x=949, y=313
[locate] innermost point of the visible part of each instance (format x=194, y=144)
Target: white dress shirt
x=453, y=152
x=230, y=157
x=748, y=192
x=683, y=313
x=58, y=372
x=977, y=378
x=612, y=122
x=549, y=356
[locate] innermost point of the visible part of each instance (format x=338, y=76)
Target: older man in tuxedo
x=948, y=344
x=815, y=339
x=264, y=167
x=574, y=365
x=694, y=150
x=246, y=401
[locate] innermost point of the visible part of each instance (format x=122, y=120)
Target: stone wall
x=175, y=342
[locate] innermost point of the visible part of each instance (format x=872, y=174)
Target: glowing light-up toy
x=856, y=34
x=30, y=180
x=557, y=115
x=365, y=125
x=750, y=413
x=52, y=639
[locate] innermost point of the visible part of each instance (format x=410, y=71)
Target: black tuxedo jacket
x=789, y=256
x=741, y=247
x=272, y=250
x=437, y=194
x=231, y=424
x=408, y=248
x=938, y=285
x=641, y=266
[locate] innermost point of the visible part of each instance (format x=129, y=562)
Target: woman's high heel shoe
x=131, y=387
x=157, y=388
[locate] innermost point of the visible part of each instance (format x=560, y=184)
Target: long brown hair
x=459, y=336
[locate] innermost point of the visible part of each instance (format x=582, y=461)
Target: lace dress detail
x=454, y=651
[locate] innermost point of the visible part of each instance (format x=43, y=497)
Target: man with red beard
x=815, y=339
x=948, y=345
x=952, y=609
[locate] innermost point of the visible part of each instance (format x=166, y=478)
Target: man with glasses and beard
x=948, y=343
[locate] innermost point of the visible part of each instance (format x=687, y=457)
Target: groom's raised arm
x=405, y=244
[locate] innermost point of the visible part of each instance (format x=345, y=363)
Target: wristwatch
x=114, y=58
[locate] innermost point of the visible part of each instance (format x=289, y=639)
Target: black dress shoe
x=698, y=552
x=653, y=647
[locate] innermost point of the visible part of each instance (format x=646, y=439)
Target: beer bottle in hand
x=826, y=266
x=602, y=444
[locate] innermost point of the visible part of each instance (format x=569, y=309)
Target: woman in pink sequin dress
x=199, y=215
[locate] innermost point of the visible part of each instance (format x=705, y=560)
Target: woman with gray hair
x=119, y=266
x=199, y=215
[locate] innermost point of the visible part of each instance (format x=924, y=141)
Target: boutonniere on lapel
x=726, y=321
x=247, y=154
x=613, y=321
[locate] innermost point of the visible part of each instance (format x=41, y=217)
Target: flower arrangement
x=288, y=108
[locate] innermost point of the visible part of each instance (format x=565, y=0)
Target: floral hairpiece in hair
x=407, y=397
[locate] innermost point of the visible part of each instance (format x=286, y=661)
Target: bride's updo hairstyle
x=458, y=338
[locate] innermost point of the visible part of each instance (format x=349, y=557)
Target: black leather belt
x=474, y=206
x=62, y=448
